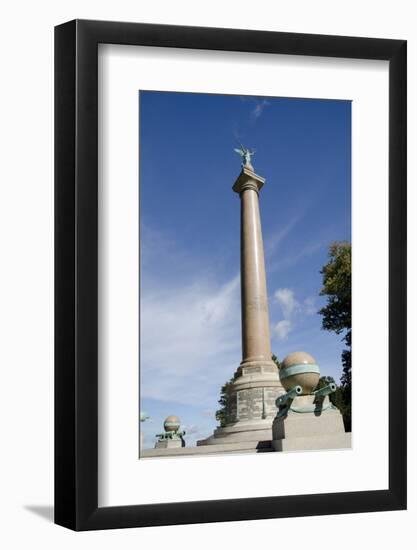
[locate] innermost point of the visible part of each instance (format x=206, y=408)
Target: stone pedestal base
x=245, y=447
x=308, y=426
x=251, y=406
x=315, y=443
x=168, y=444
x=318, y=428
x=256, y=432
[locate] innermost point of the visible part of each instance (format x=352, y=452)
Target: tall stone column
x=254, y=303
x=251, y=398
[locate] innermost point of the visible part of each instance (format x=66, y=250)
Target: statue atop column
x=246, y=155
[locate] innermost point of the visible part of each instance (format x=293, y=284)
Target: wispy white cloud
x=286, y=299
x=209, y=413
x=157, y=248
x=193, y=433
x=282, y=329
x=259, y=104
x=310, y=305
x=291, y=260
x=191, y=429
x=292, y=309
x=275, y=239
x=259, y=108
x=190, y=332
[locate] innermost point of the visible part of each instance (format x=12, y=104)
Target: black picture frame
x=76, y=272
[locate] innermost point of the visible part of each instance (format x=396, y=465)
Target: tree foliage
x=221, y=414
x=325, y=381
x=276, y=360
x=337, y=287
x=337, y=316
x=337, y=397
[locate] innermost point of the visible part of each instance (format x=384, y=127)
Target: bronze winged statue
x=246, y=155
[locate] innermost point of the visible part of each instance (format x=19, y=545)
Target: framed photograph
x=230, y=204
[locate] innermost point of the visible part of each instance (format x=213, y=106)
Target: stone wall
x=252, y=403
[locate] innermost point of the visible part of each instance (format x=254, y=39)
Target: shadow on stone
x=264, y=447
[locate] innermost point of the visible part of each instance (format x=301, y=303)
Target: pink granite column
x=256, y=345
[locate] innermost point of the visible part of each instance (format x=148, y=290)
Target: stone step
x=241, y=447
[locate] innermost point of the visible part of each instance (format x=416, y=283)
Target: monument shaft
x=255, y=318
x=251, y=407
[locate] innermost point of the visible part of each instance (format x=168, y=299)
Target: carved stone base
x=309, y=426
x=259, y=432
x=251, y=405
x=315, y=443
x=168, y=444
x=245, y=447
x=255, y=387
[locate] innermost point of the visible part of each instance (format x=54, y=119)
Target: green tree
x=276, y=360
x=336, y=397
x=337, y=285
x=325, y=381
x=222, y=413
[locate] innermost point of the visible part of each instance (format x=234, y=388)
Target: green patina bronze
x=143, y=416
x=282, y=400
x=170, y=435
x=326, y=390
x=285, y=372
x=246, y=155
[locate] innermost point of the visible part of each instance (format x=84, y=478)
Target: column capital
x=247, y=179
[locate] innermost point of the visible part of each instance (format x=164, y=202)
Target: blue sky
x=189, y=239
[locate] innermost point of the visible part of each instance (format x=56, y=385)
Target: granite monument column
x=254, y=303
x=255, y=386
